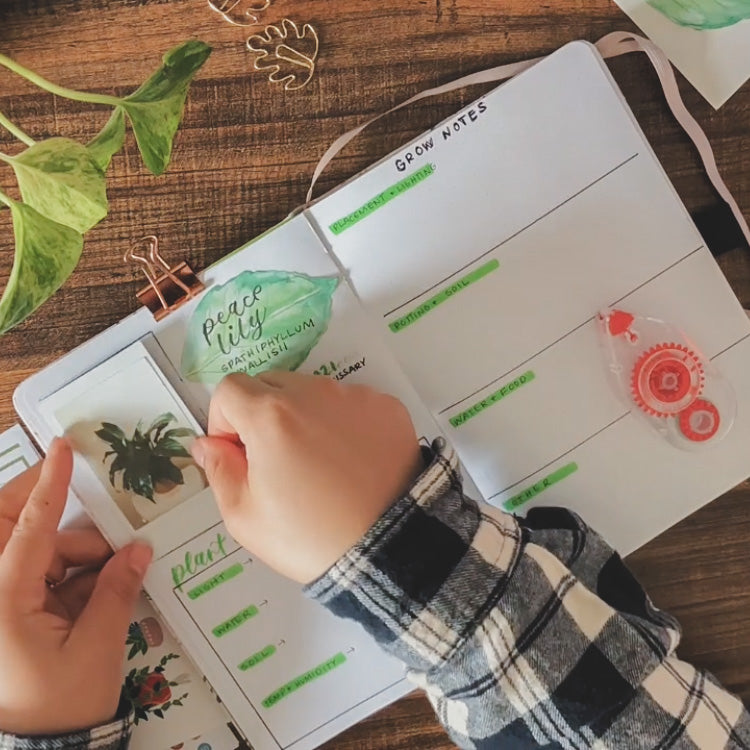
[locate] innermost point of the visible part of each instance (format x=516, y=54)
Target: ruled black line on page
x=598, y=432
x=515, y=234
x=569, y=333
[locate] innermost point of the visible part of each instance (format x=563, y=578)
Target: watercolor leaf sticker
x=46, y=254
x=287, y=54
x=703, y=14
x=257, y=321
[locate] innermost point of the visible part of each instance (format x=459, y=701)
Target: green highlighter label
x=537, y=488
x=298, y=682
x=257, y=658
x=493, y=398
x=234, y=622
x=443, y=296
x=380, y=200
x=13, y=461
x=215, y=581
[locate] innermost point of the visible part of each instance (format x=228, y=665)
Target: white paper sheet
x=715, y=61
x=549, y=178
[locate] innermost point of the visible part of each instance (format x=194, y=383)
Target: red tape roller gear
x=700, y=421
x=666, y=379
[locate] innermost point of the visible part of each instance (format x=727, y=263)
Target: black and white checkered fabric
x=525, y=633
x=112, y=736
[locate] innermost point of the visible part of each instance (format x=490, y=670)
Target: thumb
x=103, y=624
x=225, y=465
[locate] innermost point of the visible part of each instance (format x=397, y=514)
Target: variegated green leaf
x=109, y=140
x=155, y=109
x=61, y=180
x=46, y=254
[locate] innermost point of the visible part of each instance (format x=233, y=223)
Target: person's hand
x=61, y=647
x=302, y=466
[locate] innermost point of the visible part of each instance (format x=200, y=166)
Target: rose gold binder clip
x=168, y=288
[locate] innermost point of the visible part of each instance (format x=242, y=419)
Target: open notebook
x=463, y=274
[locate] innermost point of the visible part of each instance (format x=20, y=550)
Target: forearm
x=523, y=633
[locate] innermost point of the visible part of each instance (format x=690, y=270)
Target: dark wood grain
x=243, y=160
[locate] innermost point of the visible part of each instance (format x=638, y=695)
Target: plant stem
x=15, y=130
x=53, y=88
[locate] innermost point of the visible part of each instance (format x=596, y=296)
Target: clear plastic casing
x=665, y=379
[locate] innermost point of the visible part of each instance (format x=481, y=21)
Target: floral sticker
x=143, y=635
x=149, y=690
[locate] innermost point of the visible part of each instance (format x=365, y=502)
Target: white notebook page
x=291, y=674
x=521, y=217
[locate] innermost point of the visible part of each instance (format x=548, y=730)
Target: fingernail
x=139, y=557
x=58, y=443
x=198, y=452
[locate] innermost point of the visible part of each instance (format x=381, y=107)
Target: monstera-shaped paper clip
x=239, y=12
x=287, y=54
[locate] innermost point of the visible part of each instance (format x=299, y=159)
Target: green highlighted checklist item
x=257, y=658
x=380, y=200
x=443, y=296
x=493, y=398
x=298, y=682
x=512, y=503
x=234, y=622
x=214, y=581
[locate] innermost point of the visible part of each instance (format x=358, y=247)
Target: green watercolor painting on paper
x=257, y=321
x=703, y=14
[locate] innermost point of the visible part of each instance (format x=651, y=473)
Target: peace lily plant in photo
x=62, y=182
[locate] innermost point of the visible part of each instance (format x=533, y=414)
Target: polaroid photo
x=130, y=432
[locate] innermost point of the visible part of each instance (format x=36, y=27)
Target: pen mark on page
x=515, y=234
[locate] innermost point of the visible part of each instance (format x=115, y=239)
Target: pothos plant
x=62, y=182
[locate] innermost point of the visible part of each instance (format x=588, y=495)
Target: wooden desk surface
x=243, y=160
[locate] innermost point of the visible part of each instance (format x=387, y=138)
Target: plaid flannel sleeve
x=112, y=736
x=524, y=633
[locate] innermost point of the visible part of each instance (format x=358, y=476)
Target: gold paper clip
x=286, y=53
x=168, y=288
x=244, y=15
